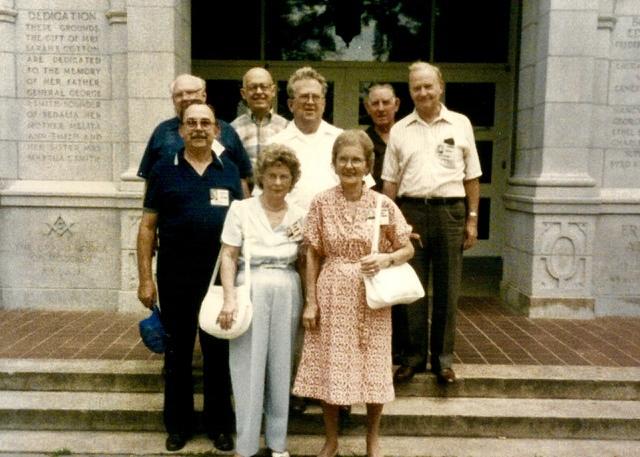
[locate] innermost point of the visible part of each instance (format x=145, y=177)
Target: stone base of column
x=547, y=307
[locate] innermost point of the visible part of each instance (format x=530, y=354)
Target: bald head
x=185, y=90
x=258, y=91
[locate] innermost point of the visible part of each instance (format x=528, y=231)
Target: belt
x=431, y=200
x=274, y=266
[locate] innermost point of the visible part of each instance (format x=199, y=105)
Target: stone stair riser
x=424, y=387
x=311, y=424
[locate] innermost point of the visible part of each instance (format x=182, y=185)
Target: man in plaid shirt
x=259, y=124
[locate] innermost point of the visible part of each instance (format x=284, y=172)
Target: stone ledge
x=547, y=307
x=68, y=194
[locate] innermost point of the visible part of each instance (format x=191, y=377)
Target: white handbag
x=214, y=300
x=397, y=284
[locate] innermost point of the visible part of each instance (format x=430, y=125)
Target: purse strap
x=246, y=254
x=375, y=240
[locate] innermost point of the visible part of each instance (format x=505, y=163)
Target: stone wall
x=617, y=127
x=82, y=84
x=573, y=213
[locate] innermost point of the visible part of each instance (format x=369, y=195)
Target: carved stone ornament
x=563, y=255
x=60, y=227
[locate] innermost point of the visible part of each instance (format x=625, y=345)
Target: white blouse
x=277, y=246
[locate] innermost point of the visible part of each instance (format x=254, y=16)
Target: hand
x=470, y=233
x=416, y=236
x=310, y=316
x=373, y=263
x=147, y=293
x=227, y=316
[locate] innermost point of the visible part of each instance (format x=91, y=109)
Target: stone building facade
x=83, y=83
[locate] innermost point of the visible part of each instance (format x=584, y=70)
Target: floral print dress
x=347, y=358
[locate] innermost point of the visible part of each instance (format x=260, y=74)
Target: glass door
x=354, y=44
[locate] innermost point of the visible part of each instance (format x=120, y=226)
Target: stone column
x=8, y=108
x=158, y=49
x=553, y=199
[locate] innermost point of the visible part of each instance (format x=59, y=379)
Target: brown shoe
x=403, y=374
x=446, y=376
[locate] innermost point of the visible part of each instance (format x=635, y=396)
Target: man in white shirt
x=431, y=165
x=309, y=136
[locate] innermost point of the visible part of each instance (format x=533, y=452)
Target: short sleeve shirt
x=314, y=153
x=166, y=141
x=274, y=246
x=254, y=135
x=431, y=160
x=191, y=207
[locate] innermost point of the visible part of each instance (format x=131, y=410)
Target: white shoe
x=280, y=454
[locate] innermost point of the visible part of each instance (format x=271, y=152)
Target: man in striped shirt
x=432, y=167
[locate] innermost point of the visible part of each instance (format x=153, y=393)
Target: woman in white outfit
x=260, y=359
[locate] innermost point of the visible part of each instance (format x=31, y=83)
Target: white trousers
x=260, y=360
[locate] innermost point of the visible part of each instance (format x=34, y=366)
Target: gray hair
x=203, y=83
x=305, y=73
x=277, y=154
x=354, y=137
x=419, y=65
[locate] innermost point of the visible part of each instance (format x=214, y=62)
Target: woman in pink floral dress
x=346, y=355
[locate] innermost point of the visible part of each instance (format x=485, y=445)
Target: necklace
x=271, y=208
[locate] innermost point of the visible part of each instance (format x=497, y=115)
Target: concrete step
x=490, y=381
x=121, y=444
x=406, y=416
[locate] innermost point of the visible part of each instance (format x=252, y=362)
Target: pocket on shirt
x=450, y=156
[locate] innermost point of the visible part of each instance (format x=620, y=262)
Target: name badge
x=219, y=197
x=384, y=216
x=294, y=232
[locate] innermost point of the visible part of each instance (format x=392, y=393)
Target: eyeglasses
x=203, y=123
x=306, y=97
x=255, y=87
x=353, y=161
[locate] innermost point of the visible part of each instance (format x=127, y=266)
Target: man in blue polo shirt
x=165, y=140
x=186, y=202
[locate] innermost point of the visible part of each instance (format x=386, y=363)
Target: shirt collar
x=294, y=131
x=217, y=160
x=266, y=119
x=444, y=115
x=217, y=147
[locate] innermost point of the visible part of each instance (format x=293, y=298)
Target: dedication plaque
x=64, y=92
x=622, y=135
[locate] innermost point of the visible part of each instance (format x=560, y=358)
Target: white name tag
x=384, y=216
x=294, y=232
x=219, y=197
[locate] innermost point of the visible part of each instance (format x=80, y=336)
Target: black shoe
x=403, y=374
x=344, y=415
x=176, y=441
x=224, y=442
x=297, y=405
